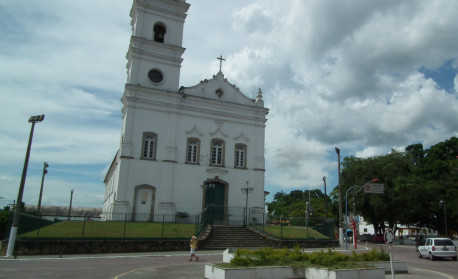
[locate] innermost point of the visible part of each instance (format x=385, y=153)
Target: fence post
x=125, y=224
x=84, y=225
x=263, y=220
x=281, y=230
x=38, y=229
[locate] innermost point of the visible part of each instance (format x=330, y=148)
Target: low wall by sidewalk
x=66, y=247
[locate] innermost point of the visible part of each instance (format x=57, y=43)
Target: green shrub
x=295, y=257
x=241, y=259
x=329, y=258
x=371, y=256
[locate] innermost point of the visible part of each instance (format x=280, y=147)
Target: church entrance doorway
x=144, y=203
x=215, y=202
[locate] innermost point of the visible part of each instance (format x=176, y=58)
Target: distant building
x=182, y=149
x=63, y=210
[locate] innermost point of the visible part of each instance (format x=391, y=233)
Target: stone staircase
x=221, y=238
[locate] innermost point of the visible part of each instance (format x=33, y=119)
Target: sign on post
x=388, y=236
x=374, y=188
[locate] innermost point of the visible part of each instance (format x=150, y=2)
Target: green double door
x=214, y=201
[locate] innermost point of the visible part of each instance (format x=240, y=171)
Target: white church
x=183, y=150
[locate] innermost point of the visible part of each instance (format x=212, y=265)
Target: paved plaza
x=164, y=265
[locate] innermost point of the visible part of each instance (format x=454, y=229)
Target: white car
x=437, y=248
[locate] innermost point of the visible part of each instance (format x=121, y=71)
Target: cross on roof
x=221, y=59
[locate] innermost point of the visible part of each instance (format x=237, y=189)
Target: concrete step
x=225, y=237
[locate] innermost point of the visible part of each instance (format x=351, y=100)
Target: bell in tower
x=159, y=33
x=155, y=50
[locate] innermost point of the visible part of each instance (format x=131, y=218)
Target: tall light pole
x=445, y=217
x=325, y=199
x=45, y=171
x=70, y=207
x=14, y=226
x=340, y=200
x=307, y=217
x=246, y=190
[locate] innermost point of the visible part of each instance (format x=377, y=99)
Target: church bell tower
x=154, y=56
x=183, y=150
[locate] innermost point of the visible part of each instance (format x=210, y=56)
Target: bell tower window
x=159, y=32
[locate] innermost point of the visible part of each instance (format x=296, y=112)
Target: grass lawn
x=292, y=232
x=112, y=230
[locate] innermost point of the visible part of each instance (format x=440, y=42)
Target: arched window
x=192, y=152
x=240, y=156
x=159, y=32
x=217, y=152
x=149, y=145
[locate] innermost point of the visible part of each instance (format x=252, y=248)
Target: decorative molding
x=219, y=92
x=167, y=205
x=127, y=157
x=219, y=130
x=241, y=136
x=194, y=130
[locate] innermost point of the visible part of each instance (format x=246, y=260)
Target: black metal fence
x=90, y=227
x=125, y=226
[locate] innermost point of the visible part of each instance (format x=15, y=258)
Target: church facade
x=183, y=150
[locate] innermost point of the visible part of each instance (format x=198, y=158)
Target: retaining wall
x=62, y=247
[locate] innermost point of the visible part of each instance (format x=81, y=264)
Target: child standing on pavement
x=193, y=245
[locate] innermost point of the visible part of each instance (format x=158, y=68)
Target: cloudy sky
x=365, y=76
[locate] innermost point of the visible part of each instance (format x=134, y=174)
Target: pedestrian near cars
x=193, y=245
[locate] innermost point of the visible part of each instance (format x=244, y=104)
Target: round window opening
x=155, y=76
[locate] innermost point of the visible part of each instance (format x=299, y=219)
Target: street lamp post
x=340, y=200
x=14, y=226
x=246, y=190
x=45, y=171
x=70, y=207
x=307, y=217
x=325, y=199
x=445, y=218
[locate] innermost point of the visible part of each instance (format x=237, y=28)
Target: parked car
x=437, y=248
x=365, y=237
x=377, y=238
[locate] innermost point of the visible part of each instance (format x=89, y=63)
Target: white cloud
x=344, y=74
x=455, y=82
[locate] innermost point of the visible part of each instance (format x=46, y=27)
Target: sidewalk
x=196, y=270
x=176, y=265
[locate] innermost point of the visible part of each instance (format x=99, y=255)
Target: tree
x=294, y=204
x=4, y=218
x=418, y=184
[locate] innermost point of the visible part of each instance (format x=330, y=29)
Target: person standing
x=193, y=245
